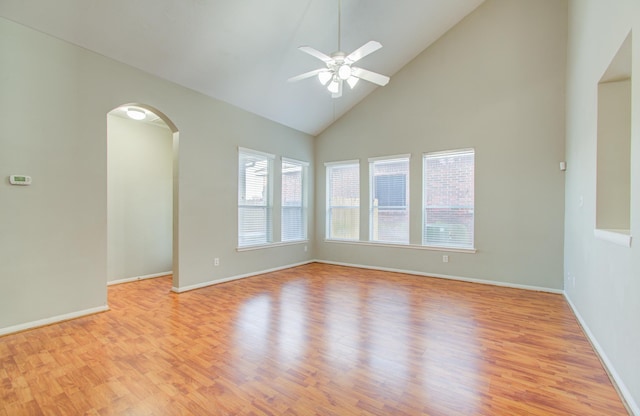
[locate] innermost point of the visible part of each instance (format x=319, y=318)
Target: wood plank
x=315, y=339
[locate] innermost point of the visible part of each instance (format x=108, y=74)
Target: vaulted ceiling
x=243, y=51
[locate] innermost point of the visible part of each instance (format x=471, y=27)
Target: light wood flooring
x=311, y=340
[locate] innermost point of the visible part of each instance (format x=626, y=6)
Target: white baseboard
x=622, y=388
x=136, y=278
x=445, y=276
x=241, y=276
x=52, y=320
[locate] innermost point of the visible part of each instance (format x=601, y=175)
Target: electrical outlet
x=305, y=249
x=216, y=262
x=445, y=259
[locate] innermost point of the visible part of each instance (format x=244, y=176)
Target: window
x=448, y=204
x=294, y=212
x=343, y=200
x=389, y=205
x=255, y=199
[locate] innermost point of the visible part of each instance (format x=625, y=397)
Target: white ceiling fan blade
x=316, y=53
x=367, y=75
x=307, y=74
x=363, y=51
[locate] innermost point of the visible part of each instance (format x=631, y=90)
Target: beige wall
x=602, y=279
x=139, y=198
x=53, y=234
x=494, y=83
x=612, y=165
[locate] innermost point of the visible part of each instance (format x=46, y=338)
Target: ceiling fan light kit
x=344, y=72
x=324, y=77
x=339, y=67
x=334, y=86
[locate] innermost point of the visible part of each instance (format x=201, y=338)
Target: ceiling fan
x=339, y=66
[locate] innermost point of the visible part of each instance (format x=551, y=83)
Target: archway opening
x=142, y=194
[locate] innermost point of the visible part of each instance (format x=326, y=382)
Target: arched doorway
x=142, y=194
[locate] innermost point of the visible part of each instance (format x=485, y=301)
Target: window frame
x=268, y=205
x=329, y=166
x=372, y=193
x=304, y=166
x=424, y=225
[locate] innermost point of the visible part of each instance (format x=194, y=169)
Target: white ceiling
x=243, y=51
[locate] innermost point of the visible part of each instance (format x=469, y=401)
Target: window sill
x=271, y=245
x=405, y=246
x=619, y=237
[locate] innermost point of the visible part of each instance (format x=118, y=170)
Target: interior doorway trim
x=175, y=205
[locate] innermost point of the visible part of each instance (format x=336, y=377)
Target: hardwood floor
x=312, y=340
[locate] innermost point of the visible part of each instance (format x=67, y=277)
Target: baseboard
x=445, y=276
x=237, y=277
x=136, y=278
x=632, y=406
x=52, y=320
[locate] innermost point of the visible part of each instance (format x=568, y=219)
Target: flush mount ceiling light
x=136, y=113
x=340, y=66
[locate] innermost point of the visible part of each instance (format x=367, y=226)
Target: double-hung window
x=343, y=200
x=294, y=204
x=389, y=204
x=448, y=199
x=255, y=199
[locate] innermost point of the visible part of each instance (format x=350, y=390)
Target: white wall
x=140, y=198
x=53, y=234
x=495, y=83
x=602, y=280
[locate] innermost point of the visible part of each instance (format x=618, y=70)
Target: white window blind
x=254, y=198
x=389, y=205
x=343, y=201
x=448, y=205
x=294, y=215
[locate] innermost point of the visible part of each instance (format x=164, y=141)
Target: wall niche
x=613, y=188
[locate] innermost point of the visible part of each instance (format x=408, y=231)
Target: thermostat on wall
x=20, y=180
